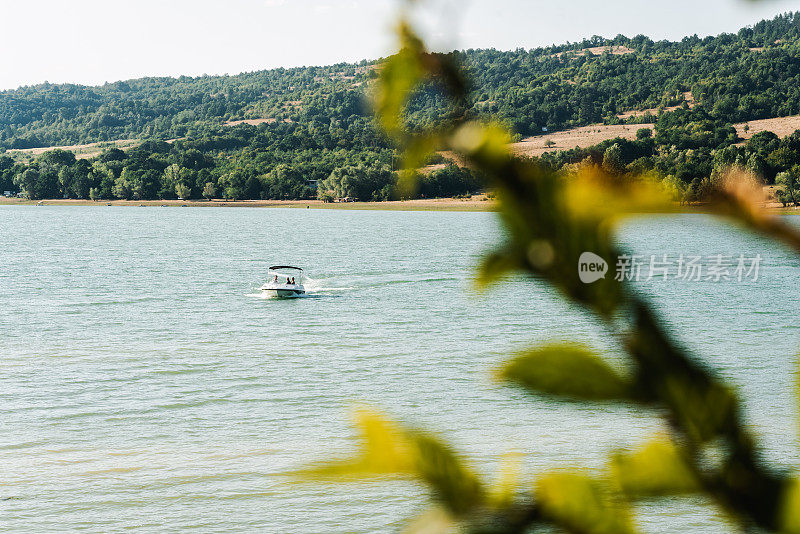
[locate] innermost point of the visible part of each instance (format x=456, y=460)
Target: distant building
x=544, y=128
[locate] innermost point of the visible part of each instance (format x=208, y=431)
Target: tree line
x=279, y=161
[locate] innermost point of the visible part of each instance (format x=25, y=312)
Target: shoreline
x=476, y=203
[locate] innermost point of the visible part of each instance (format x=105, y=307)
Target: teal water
x=144, y=384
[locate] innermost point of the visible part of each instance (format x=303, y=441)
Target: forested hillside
x=314, y=120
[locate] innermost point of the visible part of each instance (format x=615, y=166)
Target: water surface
x=144, y=384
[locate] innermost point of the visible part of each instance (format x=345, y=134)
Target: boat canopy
x=278, y=267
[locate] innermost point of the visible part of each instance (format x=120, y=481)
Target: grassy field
x=587, y=136
x=780, y=126
x=582, y=137
x=86, y=151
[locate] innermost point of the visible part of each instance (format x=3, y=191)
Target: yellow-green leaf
x=594, y=195
x=487, y=144
x=658, y=468
x=505, y=488
x=495, y=265
x=384, y=450
x=435, y=520
x=399, y=74
x=569, y=371
x=741, y=198
x=580, y=504
x=454, y=485
x=789, y=520
x=417, y=150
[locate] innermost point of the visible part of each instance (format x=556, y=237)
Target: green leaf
x=386, y=449
x=417, y=150
x=399, y=75
x=454, y=485
x=485, y=143
x=582, y=505
x=495, y=265
x=591, y=194
x=547, y=235
x=504, y=490
x=570, y=371
x=789, y=511
x=658, y=468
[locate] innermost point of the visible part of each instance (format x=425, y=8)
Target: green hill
x=314, y=120
x=749, y=75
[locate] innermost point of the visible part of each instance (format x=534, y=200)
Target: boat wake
x=342, y=284
x=322, y=286
x=314, y=289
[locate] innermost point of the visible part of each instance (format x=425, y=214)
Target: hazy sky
x=93, y=41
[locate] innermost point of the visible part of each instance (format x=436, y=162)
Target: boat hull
x=290, y=292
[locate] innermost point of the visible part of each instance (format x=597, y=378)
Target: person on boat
x=293, y=280
x=276, y=279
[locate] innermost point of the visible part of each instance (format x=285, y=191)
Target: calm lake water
x=144, y=384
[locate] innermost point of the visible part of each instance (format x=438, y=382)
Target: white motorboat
x=285, y=282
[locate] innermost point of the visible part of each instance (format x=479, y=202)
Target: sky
x=97, y=41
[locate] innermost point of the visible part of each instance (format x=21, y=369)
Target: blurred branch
x=551, y=220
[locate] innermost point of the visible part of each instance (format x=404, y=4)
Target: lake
x=145, y=385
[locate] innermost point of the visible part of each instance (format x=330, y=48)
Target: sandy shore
x=476, y=203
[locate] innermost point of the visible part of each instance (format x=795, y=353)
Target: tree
x=209, y=190
x=176, y=178
x=450, y=181
x=756, y=165
x=28, y=183
x=788, y=180
x=359, y=182
x=233, y=184
x=123, y=188
x=105, y=176
x=182, y=190
x=612, y=160
x=285, y=181
x=144, y=183
x=82, y=180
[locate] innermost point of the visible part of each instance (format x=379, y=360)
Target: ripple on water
x=147, y=385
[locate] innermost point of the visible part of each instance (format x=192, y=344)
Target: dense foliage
x=690, y=169
x=736, y=77
x=316, y=133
